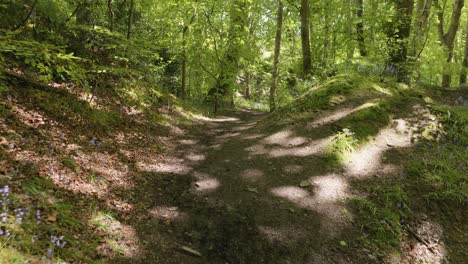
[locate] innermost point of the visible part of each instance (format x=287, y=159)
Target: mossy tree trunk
x=448, y=38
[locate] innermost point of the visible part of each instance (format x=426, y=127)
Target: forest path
x=240, y=194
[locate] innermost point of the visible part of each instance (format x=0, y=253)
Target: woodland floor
x=233, y=189
x=240, y=192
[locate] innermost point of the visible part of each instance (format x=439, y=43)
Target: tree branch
x=27, y=18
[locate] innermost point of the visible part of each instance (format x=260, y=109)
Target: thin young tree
x=464, y=70
x=305, y=37
x=360, y=27
x=275, y=73
x=448, y=38
x=399, y=37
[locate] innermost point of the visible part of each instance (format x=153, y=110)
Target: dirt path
x=237, y=192
x=239, y=195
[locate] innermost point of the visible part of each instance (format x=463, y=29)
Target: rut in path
x=242, y=194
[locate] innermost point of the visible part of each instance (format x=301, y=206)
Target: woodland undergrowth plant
x=24, y=227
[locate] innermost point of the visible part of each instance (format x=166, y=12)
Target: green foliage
x=378, y=215
x=342, y=145
x=443, y=172
x=47, y=61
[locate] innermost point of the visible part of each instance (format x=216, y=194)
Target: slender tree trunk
x=275, y=73
x=130, y=18
x=247, y=85
x=111, y=15
x=448, y=39
x=399, y=38
x=360, y=27
x=184, y=62
x=463, y=74
x=305, y=37
x=423, y=10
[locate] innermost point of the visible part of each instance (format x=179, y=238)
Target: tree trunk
x=360, y=27
x=399, y=36
x=184, y=62
x=247, y=85
x=423, y=10
x=111, y=15
x=130, y=18
x=275, y=73
x=84, y=14
x=448, y=39
x=236, y=38
x=464, y=70
x=305, y=37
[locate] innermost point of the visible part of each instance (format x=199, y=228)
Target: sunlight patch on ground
x=284, y=138
x=204, y=183
x=195, y=157
x=418, y=253
x=283, y=234
x=336, y=115
x=313, y=148
x=188, y=142
x=166, y=213
x=28, y=117
x=367, y=160
x=121, y=238
x=325, y=197
x=253, y=136
x=171, y=165
x=252, y=175
x=106, y=165
x=293, y=169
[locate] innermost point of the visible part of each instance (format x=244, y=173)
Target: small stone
x=304, y=184
x=343, y=243
x=254, y=190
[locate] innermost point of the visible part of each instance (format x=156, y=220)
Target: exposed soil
x=238, y=193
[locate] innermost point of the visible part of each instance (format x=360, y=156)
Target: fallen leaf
x=191, y=251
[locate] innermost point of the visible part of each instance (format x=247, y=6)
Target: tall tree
x=360, y=27
x=230, y=64
x=130, y=18
x=305, y=37
x=275, y=73
x=448, y=38
x=399, y=37
x=185, y=30
x=422, y=12
x=464, y=70
x=111, y=15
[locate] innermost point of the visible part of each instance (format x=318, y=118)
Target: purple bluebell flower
x=49, y=252
x=3, y=216
x=38, y=216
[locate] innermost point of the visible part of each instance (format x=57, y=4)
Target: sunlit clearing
x=252, y=174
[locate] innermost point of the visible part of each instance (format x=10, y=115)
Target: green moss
x=379, y=215
x=71, y=164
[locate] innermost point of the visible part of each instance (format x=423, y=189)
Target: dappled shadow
x=229, y=190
